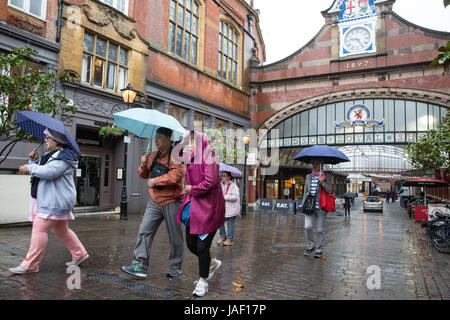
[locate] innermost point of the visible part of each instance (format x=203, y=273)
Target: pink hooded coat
x=206, y=197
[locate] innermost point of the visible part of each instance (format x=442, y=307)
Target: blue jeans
x=230, y=234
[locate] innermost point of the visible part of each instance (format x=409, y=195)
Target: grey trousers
x=153, y=216
x=320, y=217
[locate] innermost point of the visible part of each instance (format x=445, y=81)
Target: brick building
x=188, y=58
x=365, y=58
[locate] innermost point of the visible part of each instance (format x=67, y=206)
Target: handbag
x=309, y=206
x=158, y=169
x=327, y=201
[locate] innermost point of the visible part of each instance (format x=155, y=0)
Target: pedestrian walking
x=203, y=208
x=392, y=196
x=313, y=182
x=347, y=205
x=232, y=209
x=53, y=196
x=166, y=189
x=388, y=196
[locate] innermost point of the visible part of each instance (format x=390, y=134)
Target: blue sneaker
x=174, y=272
x=135, y=270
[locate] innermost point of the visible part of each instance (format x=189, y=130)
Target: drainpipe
x=58, y=22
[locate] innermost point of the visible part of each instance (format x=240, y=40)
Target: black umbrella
x=348, y=195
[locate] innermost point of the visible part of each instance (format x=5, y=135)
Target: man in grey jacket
x=313, y=182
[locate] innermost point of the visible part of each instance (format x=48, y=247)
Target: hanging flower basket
x=110, y=132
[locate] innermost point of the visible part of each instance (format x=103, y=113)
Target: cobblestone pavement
x=266, y=259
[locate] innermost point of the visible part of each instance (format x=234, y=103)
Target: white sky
x=287, y=25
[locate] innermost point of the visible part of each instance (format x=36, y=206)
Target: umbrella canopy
x=324, y=154
x=425, y=182
x=35, y=123
x=144, y=122
x=348, y=195
x=226, y=168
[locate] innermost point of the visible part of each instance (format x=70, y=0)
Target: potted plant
x=110, y=132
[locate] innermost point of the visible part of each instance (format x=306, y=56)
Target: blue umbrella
x=35, y=123
x=324, y=154
x=144, y=122
x=226, y=168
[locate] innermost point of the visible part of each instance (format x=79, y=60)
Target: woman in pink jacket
x=203, y=208
x=232, y=208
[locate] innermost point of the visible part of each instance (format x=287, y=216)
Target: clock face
x=357, y=39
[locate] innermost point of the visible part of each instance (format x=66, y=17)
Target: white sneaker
x=201, y=288
x=212, y=269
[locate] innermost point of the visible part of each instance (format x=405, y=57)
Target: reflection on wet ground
x=265, y=262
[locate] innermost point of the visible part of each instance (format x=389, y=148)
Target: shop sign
x=265, y=204
x=298, y=206
x=284, y=205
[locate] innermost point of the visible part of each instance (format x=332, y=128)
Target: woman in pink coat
x=203, y=208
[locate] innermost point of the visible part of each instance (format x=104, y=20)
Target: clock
x=357, y=39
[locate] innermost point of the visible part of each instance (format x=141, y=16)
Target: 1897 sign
x=356, y=65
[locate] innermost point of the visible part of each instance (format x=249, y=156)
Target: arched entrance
x=371, y=126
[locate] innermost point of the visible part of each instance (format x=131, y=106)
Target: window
x=37, y=8
x=179, y=113
x=105, y=64
x=31, y=66
x=201, y=122
x=121, y=5
x=228, y=53
x=183, y=29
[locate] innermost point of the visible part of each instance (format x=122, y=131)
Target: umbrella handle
x=149, y=145
x=39, y=145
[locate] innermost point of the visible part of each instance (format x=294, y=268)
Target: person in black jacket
x=347, y=205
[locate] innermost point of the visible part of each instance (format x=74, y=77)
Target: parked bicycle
x=438, y=230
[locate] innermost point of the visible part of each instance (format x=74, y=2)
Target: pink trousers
x=39, y=240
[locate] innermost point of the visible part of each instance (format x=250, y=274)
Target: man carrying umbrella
x=166, y=188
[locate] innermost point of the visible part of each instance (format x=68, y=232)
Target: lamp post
x=246, y=140
x=128, y=95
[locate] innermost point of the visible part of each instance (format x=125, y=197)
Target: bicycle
x=438, y=230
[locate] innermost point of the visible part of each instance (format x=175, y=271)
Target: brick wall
x=17, y=18
x=312, y=71
x=200, y=80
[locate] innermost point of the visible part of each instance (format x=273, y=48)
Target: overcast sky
x=287, y=25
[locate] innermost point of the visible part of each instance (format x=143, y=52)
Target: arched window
x=228, y=52
x=183, y=29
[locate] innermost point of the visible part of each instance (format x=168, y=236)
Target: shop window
x=4, y=99
x=272, y=189
x=37, y=8
x=30, y=67
x=220, y=124
x=179, y=113
x=183, y=29
x=228, y=53
x=201, y=122
x=105, y=64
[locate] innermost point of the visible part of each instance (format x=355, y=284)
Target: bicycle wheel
x=440, y=238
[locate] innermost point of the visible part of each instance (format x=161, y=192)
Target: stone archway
x=433, y=97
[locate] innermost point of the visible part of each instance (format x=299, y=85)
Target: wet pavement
x=265, y=262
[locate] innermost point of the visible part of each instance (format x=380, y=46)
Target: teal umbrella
x=144, y=122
